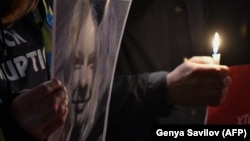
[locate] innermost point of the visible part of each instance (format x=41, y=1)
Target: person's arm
x=143, y=94
x=196, y=82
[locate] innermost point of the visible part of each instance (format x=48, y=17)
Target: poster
x=236, y=107
x=86, y=40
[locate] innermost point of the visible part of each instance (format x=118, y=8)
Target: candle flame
x=216, y=43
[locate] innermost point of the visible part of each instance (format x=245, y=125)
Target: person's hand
x=198, y=82
x=41, y=110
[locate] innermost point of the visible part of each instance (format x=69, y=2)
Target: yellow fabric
x=1, y=135
x=47, y=38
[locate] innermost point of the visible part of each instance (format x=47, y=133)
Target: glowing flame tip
x=216, y=43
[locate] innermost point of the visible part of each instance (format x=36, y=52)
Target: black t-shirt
x=25, y=64
x=23, y=67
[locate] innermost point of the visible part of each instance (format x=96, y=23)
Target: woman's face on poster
x=82, y=78
x=84, y=65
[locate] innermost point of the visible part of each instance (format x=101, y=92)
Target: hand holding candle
x=216, y=44
x=198, y=82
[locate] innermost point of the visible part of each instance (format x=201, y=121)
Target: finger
x=207, y=83
x=210, y=82
x=44, y=132
x=51, y=127
x=209, y=97
x=202, y=59
x=43, y=89
x=24, y=91
x=58, y=97
x=51, y=116
x=214, y=97
x=209, y=70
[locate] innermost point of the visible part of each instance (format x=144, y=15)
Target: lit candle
x=216, y=44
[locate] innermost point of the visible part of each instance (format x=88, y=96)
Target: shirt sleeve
x=138, y=95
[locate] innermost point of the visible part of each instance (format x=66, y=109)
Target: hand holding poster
x=236, y=107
